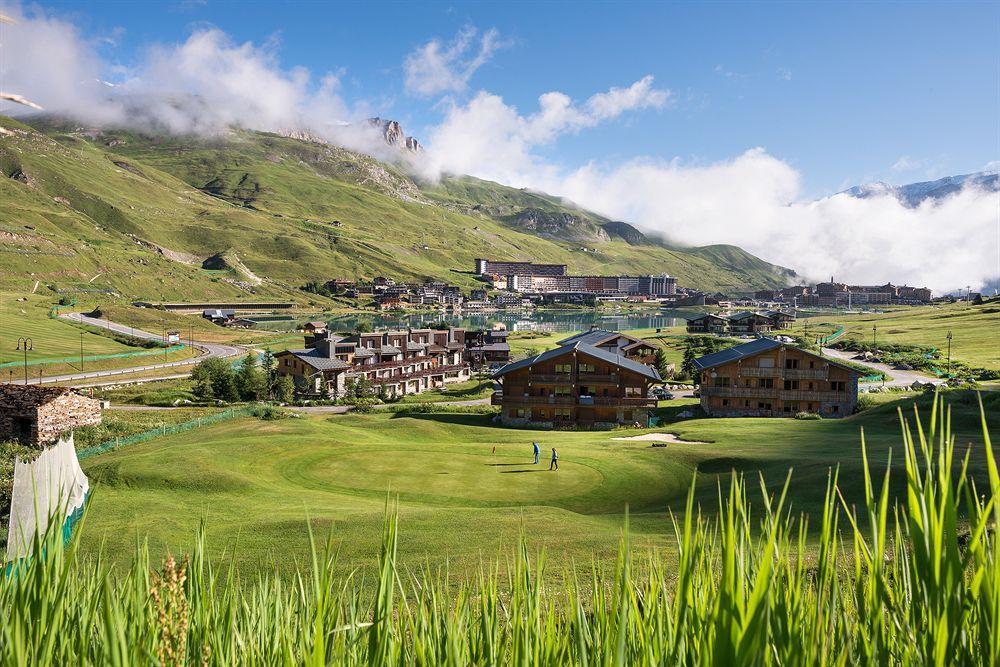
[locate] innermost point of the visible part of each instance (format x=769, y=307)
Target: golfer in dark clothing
x=554, y=465
x=537, y=451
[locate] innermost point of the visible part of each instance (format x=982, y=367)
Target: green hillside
x=138, y=215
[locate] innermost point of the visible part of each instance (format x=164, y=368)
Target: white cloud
x=488, y=137
x=751, y=200
x=784, y=74
x=435, y=68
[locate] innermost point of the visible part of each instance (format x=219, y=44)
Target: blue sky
x=844, y=93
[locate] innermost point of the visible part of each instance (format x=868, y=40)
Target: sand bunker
x=662, y=437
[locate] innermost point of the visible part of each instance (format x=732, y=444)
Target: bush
x=271, y=413
x=808, y=415
x=865, y=402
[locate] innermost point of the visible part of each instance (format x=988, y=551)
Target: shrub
x=807, y=415
x=271, y=413
x=865, y=402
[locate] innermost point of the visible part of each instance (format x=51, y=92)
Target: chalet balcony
x=555, y=378
x=751, y=372
x=776, y=394
x=595, y=378
x=498, y=399
x=805, y=373
x=630, y=401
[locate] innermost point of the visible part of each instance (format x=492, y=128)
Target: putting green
x=429, y=475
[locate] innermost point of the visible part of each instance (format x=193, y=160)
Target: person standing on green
x=554, y=465
x=537, y=451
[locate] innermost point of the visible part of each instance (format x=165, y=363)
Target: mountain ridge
x=122, y=204
x=912, y=195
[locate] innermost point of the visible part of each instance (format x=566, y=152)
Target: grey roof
x=364, y=352
x=415, y=347
x=734, y=353
x=314, y=358
x=490, y=347
x=387, y=349
x=589, y=350
x=750, y=349
x=704, y=316
x=595, y=337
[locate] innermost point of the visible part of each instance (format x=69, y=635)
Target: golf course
x=256, y=485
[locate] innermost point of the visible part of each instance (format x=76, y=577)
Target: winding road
x=207, y=350
x=900, y=378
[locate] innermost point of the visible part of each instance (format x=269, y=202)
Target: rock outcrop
x=392, y=133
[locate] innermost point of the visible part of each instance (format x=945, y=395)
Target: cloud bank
x=753, y=200
x=209, y=83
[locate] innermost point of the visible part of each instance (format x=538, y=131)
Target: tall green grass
x=908, y=581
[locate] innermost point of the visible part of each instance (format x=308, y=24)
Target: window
x=791, y=363
x=561, y=413
x=838, y=386
x=542, y=414
x=834, y=408
x=562, y=390
x=520, y=412
x=810, y=386
x=763, y=406
x=564, y=368
x=633, y=391
x=746, y=404
x=812, y=364
x=765, y=362
x=790, y=407
x=791, y=384
x=586, y=368
x=725, y=402
x=765, y=383
x=720, y=382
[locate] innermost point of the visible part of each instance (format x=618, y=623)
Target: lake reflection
x=539, y=320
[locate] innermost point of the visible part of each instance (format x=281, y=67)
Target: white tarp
x=52, y=483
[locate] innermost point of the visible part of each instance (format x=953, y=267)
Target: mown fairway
x=255, y=483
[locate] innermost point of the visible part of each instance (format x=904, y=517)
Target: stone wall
x=38, y=415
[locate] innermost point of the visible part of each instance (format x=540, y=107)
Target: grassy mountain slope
x=138, y=214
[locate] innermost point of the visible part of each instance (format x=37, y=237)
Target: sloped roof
x=320, y=362
x=734, y=353
x=24, y=396
x=596, y=337
x=589, y=350
x=752, y=348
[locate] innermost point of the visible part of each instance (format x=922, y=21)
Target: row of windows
x=582, y=368
x=789, y=385
x=787, y=407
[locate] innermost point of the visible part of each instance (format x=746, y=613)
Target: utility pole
x=949, y=353
x=874, y=329
x=24, y=344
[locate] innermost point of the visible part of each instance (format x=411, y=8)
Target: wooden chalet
x=768, y=378
x=576, y=384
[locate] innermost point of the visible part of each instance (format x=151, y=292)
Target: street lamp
x=949, y=353
x=24, y=344
x=81, y=351
x=874, y=329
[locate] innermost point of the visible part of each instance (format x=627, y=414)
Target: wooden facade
x=575, y=385
x=775, y=381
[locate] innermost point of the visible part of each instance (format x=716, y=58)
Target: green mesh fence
x=832, y=337
x=95, y=357
x=231, y=413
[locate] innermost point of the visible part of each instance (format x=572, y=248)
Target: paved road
x=206, y=351
x=900, y=378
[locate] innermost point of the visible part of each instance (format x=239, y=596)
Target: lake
x=537, y=320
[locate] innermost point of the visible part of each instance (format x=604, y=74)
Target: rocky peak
x=393, y=134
